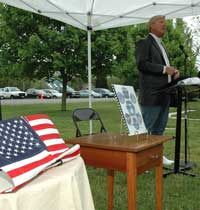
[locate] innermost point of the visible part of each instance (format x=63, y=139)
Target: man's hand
x=170, y=70
x=176, y=74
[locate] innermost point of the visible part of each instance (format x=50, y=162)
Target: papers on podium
x=189, y=81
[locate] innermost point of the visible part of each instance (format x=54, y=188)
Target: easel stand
x=181, y=167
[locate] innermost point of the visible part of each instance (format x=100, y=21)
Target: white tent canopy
x=102, y=14
x=92, y=15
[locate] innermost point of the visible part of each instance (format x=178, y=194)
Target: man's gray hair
x=153, y=19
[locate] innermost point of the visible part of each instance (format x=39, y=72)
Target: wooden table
x=132, y=154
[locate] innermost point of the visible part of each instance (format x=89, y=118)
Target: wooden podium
x=131, y=154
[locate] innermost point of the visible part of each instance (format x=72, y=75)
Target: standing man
x=155, y=73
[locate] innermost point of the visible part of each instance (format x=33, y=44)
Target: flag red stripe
x=77, y=152
x=57, y=147
x=28, y=167
x=36, y=117
x=50, y=136
x=43, y=126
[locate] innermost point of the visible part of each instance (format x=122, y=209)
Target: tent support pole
x=89, y=74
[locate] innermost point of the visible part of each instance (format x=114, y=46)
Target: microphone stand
x=186, y=165
x=0, y=110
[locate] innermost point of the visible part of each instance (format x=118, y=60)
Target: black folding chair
x=86, y=114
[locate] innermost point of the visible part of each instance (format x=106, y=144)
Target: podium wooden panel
x=131, y=154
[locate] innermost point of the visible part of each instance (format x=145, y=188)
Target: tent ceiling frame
x=66, y=13
x=92, y=7
x=122, y=15
x=178, y=10
x=60, y=9
x=111, y=18
x=28, y=5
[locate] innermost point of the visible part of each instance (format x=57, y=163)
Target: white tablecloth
x=65, y=187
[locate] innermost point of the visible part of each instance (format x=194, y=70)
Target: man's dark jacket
x=150, y=63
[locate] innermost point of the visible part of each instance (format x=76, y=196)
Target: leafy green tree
x=127, y=69
x=57, y=48
x=125, y=61
x=106, y=52
x=179, y=42
x=37, y=47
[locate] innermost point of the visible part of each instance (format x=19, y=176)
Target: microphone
x=183, y=50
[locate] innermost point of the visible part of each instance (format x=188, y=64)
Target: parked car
x=53, y=93
x=2, y=93
x=14, y=92
x=71, y=93
x=85, y=94
x=37, y=93
x=104, y=92
x=57, y=85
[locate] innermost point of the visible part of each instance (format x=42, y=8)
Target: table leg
x=159, y=185
x=131, y=180
x=110, y=179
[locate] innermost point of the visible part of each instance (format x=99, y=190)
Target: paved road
x=50, y=101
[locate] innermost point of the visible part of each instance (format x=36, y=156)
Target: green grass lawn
x=180, y=192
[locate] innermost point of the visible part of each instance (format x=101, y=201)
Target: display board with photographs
x=130, y=109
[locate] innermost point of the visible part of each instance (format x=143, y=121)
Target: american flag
x=30, y=145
